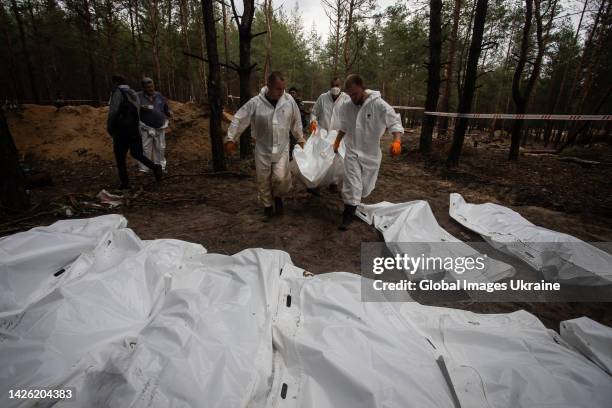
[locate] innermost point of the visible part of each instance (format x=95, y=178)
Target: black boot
x=158, y=172
x=278, y=204
x=268, y=213
x=347, y=216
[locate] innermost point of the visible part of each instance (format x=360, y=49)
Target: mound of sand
x=79, y=132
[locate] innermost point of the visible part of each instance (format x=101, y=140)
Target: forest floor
x=220, y=211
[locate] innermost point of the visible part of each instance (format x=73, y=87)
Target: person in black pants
x=122, y=124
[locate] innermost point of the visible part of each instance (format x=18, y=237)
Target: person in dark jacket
x=123, y=125
x=295, y=94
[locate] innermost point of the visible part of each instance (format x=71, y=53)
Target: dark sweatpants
x=124, y=141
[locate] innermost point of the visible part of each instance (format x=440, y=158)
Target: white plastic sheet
x=149, y=324
x=316, y=164
x=560, y=257
x=334, y=350
x=29, y=259
x=592, y=339
x=411, y=228
x=162, y=323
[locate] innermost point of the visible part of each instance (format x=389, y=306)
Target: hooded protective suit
x=325, y=110
x=363, y=127
x=270, y=127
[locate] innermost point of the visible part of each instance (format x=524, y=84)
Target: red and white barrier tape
x=497, y=115
x=524, y=117
x=407, y=108
x=394, y=107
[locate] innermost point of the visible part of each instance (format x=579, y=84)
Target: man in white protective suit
x=273, y=115
x=325, y=110
x=363, y=122
x=324, y=114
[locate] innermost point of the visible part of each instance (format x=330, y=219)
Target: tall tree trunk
x=579, y=127
x=244, y=75
x=334, y=9
x=347, y=35
x=269, y=14
x=469, y=84
x=460, y=65
x=214, y=85
x=201, y=67
x=555, y=107
x=89, y=46
x=153, y=10
x=168, y=51
x=586, y=54
x=500, y=90
x=132, y=10
x=26, y=52
x=337, y=28
x=593, y=61
x=245, y=67
x=40, y=51
x=109, y=20
x=433, y=74
x=521, y=98
x=16, y=83
x=448, y=72
x=184, y=18
x=225, y=50
x=13, y=193
x=83, y=8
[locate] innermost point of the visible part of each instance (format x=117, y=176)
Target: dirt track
x=221, y=212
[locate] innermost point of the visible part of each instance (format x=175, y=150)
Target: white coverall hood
x=364, y=125
x=325, y=110
x=271, y=128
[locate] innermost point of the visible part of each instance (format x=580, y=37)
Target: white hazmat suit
x=325, y=110
x=270, y=127
x=364, y=125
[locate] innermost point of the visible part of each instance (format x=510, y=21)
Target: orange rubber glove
x=396, y=148
x=230, y=147
x=313, y=126
x=337, y=145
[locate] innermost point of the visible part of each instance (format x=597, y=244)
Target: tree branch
x=199, y=57
x=258, y=34
x=235, y=13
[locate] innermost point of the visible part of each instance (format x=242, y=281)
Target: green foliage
x=390, y=50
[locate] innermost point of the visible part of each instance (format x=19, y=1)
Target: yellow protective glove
x=396, y=148
x=313, y=126
x=337, y=145
x=230, y=147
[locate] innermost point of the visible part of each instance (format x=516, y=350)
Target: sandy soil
x=78, y=133
x=221, y=211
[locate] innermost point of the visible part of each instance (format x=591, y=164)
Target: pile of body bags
x=411, y=228
x=88, y=306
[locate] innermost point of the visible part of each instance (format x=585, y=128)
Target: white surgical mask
x=335, y=91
